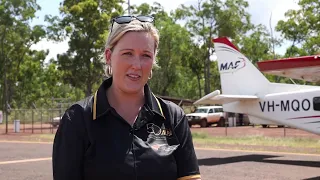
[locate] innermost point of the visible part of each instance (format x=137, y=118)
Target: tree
x=173, y=47
x=195, y=63
x=257, y=46
x=86, y=24
x=302, y=28
x=15, y=41
x=212, y=18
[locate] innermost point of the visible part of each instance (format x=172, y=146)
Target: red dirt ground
x=29, y=129
x=212, y=131
x=251, y=131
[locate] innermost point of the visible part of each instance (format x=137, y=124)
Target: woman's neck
x=127, y=105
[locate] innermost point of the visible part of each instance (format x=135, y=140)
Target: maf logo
x=233, y=65
x=156, y=130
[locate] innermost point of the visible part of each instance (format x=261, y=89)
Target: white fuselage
x=299, y=109
x=269, y=103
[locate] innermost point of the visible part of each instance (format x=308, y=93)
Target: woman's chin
x=133, y=88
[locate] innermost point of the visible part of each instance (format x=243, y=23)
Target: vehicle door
x=211, y=116
x=216, y=114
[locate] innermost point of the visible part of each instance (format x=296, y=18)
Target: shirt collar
x=101, y=105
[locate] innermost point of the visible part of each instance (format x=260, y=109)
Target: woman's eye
x=147, y=55
x=127, y=53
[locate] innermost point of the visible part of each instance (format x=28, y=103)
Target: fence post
x=226, y=125
x=32, y=119
x=41, y=119
x=24, y=120
x=51, y=119
x=6, y=114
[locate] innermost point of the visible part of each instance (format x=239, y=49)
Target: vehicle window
x=316, y=103
x=218, y=109
x=211, y=111
x=201, y=110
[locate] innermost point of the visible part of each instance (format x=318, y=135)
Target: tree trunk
x=89, y=89
x=5, y=100
x=205, y=77
x=165, y=88
x=4, y=93
x=199, y=85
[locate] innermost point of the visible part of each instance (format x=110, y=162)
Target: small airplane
x=246, y=90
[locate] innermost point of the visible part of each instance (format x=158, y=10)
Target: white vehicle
x=206, y=116
x=246, y=90
x=55, y=121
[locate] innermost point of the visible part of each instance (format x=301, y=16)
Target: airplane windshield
x=316, y=103
x=201, y=110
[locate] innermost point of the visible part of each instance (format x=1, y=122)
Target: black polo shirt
x=93, y=142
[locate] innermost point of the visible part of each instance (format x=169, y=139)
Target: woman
x=124, y=131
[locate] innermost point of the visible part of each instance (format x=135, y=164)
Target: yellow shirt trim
x=95, y=106
x=94, y=116
x=159, y=105
x=190, y=177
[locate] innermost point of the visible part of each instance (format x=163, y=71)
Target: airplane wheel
x=264, y=125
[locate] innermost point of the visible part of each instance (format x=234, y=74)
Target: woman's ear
x=107, y=54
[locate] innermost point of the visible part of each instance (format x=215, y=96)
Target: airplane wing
x=216, y=98
x=303, y=68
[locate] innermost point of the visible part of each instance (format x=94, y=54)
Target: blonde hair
x=118, y=30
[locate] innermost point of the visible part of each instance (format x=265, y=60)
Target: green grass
x=44, y=136
x=202, y=138
x=259, y=142
x=38, y=137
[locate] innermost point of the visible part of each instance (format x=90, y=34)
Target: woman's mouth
x=133, y=77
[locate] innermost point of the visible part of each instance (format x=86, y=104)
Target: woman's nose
x=136, y=62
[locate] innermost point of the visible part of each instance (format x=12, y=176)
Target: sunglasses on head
x=128, y=19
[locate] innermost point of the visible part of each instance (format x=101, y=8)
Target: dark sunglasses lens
x=124, y=19
x=145, y=18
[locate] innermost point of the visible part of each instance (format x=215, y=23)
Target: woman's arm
x=68, y=146
x=185, y=155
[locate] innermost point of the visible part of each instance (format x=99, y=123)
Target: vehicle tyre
x=221, y=122
x=203, y=123
x=264, y=125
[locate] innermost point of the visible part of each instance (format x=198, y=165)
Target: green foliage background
x=185, y=46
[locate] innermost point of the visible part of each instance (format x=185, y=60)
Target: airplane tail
x=238, y=75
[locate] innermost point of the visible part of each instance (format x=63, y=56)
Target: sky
x=260, y=11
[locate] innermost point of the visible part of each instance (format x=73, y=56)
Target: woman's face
x=131, y=61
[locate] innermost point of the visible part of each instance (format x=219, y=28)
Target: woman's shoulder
x=79, y=109
x=85, y=103
x=172, y=111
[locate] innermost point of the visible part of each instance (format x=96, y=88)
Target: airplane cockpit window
x=316, y=103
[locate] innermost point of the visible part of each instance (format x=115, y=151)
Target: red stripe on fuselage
x=305, y=117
